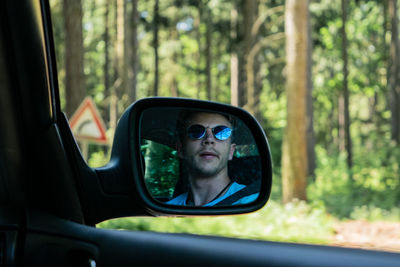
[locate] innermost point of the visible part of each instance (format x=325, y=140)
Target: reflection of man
x=205, y=147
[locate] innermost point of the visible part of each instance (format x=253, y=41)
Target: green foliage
x=162, y=169
x=332, y=184
x=370, y=184
x=376, y=176
x=294, y=222
x=372, y=213
x=98, y=159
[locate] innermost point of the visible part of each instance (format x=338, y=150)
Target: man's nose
x=209, y=138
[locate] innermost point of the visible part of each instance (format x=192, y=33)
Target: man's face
x=208, y=156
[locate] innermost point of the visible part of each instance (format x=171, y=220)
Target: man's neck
x=205, y=190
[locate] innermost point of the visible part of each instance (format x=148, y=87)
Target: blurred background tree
x=294, y=150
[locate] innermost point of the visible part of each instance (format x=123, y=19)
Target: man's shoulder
x=235, y=187
x=241, y=194
x=179, y=200
x=246, y=199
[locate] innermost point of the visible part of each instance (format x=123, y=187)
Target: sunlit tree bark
x=234, y=78
x=294, y=154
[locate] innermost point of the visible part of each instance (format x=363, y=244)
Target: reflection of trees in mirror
x=246, y=150
x=162, y=169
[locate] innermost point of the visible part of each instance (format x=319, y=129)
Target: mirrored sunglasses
x=198, y=131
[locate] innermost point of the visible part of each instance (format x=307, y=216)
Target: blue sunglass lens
x=222, y=132
x=196, y=131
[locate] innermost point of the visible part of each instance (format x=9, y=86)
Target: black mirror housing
x=127, y=158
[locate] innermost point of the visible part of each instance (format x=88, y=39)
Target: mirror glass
x=198, y=157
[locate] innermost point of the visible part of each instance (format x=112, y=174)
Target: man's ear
x=232, y=151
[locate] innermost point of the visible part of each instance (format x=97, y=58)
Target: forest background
x=322, y=78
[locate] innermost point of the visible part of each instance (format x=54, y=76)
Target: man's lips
x=208, y=155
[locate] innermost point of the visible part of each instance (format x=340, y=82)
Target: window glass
x=319, y=77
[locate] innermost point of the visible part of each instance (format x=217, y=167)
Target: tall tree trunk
x=155, y=47
x=250, y=10
x=394, y=81
x=127, y=51
x=310, y=109
x=258, y=85
x=134, y=45
x=242, y=92
x=252, y=64
x=175, y=64
x=294, y=151
x=117, y=89
x=219, y=84
x=197, y=22
x=74, y=75
x=120, y=45
x=234, y=58
x=106, y=68
x=377, y=119
x=344, y=114
x=208, y=52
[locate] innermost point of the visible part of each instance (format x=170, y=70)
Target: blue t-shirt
x=235, y=187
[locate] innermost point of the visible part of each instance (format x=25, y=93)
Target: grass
x=293, y=222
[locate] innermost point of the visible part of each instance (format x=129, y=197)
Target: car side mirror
x=190, y=157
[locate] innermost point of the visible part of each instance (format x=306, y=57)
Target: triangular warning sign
x=86, y=123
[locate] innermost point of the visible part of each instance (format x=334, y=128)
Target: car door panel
x=50, y=238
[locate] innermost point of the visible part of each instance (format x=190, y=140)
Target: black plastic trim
x=135, y=248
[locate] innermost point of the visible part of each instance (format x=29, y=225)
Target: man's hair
x=185, y=118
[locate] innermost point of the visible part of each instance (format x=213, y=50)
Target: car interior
x=51, y=200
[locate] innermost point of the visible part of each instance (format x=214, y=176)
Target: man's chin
x=206, y=173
